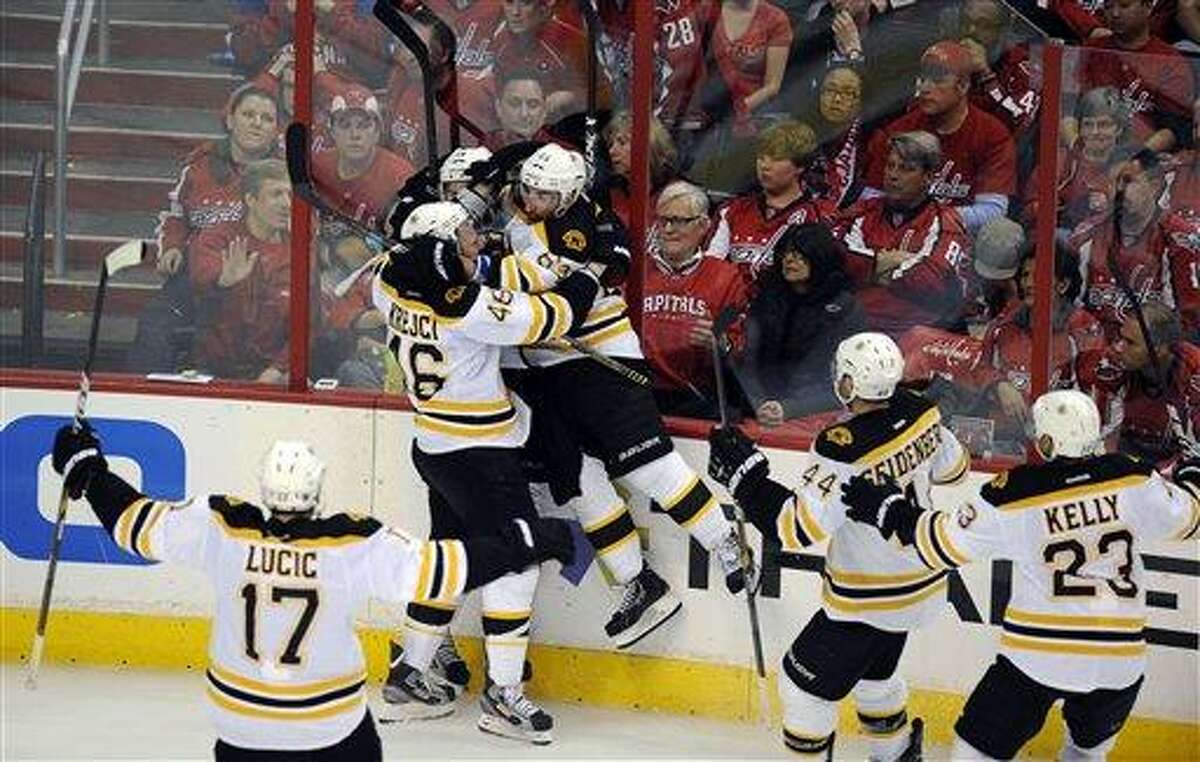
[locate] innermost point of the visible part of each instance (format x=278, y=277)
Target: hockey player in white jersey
x=446, y=331
x=286, y=676
x=874, y=591
x=593, y=426
x=1075, y=527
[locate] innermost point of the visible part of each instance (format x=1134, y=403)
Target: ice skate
x=448, y=669
x=646, y=604
x=408, y=695
x=507, y=712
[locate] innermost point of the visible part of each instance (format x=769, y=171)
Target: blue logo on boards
x=26, y=441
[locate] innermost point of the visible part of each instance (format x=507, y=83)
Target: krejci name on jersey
x=416, y=324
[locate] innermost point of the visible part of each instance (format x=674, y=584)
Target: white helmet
x=439, y=219
x=291, y=478
x=454, y=166
x=872, y=362
x=1071, y=421
x=555, y=169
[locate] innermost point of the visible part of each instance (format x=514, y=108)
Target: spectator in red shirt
x=750, y=46
x=357, y=175
x=1155, y=80
x=802, y=310
x=1142, y=254
x=1148, y=421
x=207, y=192
x=1185, y=187
x=241, y=274
x=749, y=226
x=1086, y=172
x=979, y=172
x=256, y=33
x=521, y=109
x=908, y=251
x=405, y=132
x=664, y=159
x=1006, y=81
x=683, y=26
x=682, y=293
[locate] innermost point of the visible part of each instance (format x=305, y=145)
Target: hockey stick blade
x=128, y=254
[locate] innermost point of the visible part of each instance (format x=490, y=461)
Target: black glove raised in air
x=77, y=457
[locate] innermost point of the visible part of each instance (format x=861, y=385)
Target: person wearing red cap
x=357, y=176
x=979, y=169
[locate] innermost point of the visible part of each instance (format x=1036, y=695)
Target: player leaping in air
x=286, y=675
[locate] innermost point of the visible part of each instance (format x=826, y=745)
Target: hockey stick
x=1187, y=444
x=391, y=18
x=126, y=255
x=720, y=329
x=590, y=138
x=394, y=21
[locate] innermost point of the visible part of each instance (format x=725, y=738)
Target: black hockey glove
x=735, y=462
x=883, y=506
x=611, y=249
x=78, y=458
x=1187, y=475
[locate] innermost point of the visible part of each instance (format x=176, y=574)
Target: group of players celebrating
x=502, y=294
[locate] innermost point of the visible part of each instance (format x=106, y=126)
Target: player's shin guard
x=809, y=722
x=425, y=625
x=607, y=522
x=507, y=609
x=883, y=716
x=1071, y=752
x=684, y=496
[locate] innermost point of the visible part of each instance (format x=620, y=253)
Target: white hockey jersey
x=869, y=579
x=285, y=667
x=538, y=263
x=1074, y=530
x=451, y=363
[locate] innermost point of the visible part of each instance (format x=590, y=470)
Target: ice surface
x=79, y=713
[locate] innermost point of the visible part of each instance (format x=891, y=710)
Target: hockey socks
x=507, y=609
x=607, y=523
x=684, y=496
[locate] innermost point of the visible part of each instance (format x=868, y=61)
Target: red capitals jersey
x=1085, y=16
x=839, y=164
x=1155, y=82
x=1007, y=349
x=1181, y=234
x=404, y=131
x=672, y=302
x=1085, y=189
x=1012, y=95
x=241, y=329
x=367, y=197
x=980, y=156
x=208, y=193
x=1143, y=264
x=928, y=288
x=1185, y=181
x=747, y=229
x=682, y=26
x=1150, y=422
x=743, y=62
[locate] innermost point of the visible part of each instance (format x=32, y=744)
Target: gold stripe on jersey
x=251, y=709
x=287, y=690
x=603, y=314
x=933, y=543
x=467, y=418
x=142, y=541
x=930, y=418
x=958, y=472
x=1070, y=493
x=796, y=525
x=455, y=407
x=618, y=328
x=529, y=274
x=1190, y=527
x=538, y=321
x=425, y=571
x=1075, y=648
x=123, y=529
x=1075, y=621
x=255, y=535
x=454, y=578
x=562, y=312
x=461, y=429
x=414, y=306
x=860, y=591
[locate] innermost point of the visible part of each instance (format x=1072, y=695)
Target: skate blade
x=656, y=616
x=498, y=726
x=412, y=712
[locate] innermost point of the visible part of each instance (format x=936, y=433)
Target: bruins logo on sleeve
x=575, y=240
x=840, y=435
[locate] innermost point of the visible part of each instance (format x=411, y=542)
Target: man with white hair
x=874, y=592
x=286, y=676
x=1074, y=525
